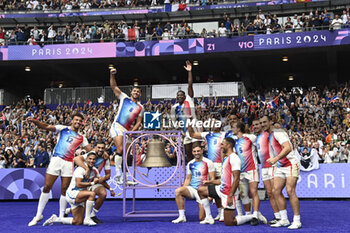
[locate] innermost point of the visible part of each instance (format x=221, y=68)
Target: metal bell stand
x=180, y=171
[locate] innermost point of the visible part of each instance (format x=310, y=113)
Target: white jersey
x=246, y=151
x=67, y=142
x=276, y=138
x=128, y=111
x=182, y=113
x=200, y=171
x=80, y=173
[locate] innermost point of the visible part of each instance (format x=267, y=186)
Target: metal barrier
x=94, y=94
x=106, y=95
x=59, y=96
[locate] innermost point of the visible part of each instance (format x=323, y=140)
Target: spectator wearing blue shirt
x=159, y=30
x=41, y=157
x=228, y=24
x=168, y=26
x=20, y=36
x=60, y=37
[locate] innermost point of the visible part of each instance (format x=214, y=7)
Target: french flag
x=334, y=98
x=273, y=103
x=244, y=100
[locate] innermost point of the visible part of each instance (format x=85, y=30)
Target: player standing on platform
x=249, y=178
x=129, y=110
x=61, y=163
x=184, y=110
x=98, y=189
x=267, y=172
x=199, y=170
x=214, y=140
x=226, y=188
x=286, y=174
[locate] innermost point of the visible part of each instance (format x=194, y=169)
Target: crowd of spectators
x=83, y=5
x=317, y=121
x=47, y=5
x=269, y=24
x=121, y=31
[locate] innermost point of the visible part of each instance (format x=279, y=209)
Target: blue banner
x=330, y=181
x=27, y=183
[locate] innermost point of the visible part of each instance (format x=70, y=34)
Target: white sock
x=277, y=215
x=296, y=218
x=248, y=213
x=243, y=219
x=255, y=214
x=94, y=212
x=44, y=197
x=118, y=164
x=222, y=212
x=88, y=208
x=67, y=221
x=181, y=213
x=283, y=214
x=239, y=208
x=63, y=206
x=206, y=206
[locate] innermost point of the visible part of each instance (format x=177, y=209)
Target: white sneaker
x=222, y=219
x=129, y=182
x=119, y=180
x=262, y=218
x=281, y=223
x=35, y=221
x=89, y=222
x=179, y=220
x=295, y=225
x=51, y=220
x=210, y=221
x=217, y=217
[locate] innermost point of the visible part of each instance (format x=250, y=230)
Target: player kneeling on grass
x=77, y=194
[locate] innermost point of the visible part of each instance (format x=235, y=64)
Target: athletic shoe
x=295, y=225
x=96, y=220
x=274, y=221
x=179, y=220
x=130, y=182
x=35, y=221
x=217, y=217
x=66, y=212
x=281, y=223
x=207, y=221
x=254, y=222
x=119, y=180
x=262, y=218
x=51, y=220
x=222, y=219
x=89, y=222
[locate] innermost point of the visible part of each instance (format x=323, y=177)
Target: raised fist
x=113, y=71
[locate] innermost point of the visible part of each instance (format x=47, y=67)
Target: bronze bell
x=156, y=156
